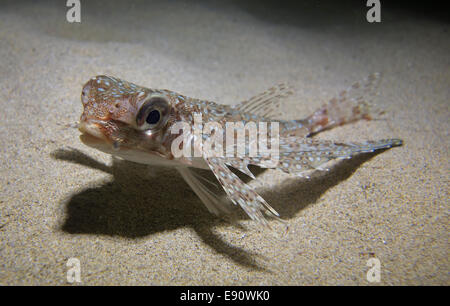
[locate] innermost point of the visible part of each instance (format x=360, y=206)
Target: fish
x=161, y=127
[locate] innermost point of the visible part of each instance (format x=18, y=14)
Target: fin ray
x=349, y=105
x=213, y=202
x=240, y=193
x=268, y=103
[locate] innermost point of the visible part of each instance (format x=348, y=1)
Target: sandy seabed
x=133, y=224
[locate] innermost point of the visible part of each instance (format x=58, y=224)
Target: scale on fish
x=137, y=124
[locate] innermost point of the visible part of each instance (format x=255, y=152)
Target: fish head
x=127, y=120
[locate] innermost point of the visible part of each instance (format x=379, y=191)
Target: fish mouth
x=95, y=134
x=92, y=134
x=90, y=140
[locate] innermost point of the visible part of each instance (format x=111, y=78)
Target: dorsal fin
x=266, y=104
x=349, y=105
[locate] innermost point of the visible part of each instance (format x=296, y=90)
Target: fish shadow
x=141, y=200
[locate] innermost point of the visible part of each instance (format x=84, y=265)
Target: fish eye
x=153, y=113
x=153, y=117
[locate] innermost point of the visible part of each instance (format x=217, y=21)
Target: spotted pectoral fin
x=240, y=165
x=240, y=193
x=268, y=103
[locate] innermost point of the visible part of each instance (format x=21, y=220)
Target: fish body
x=164, y=128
